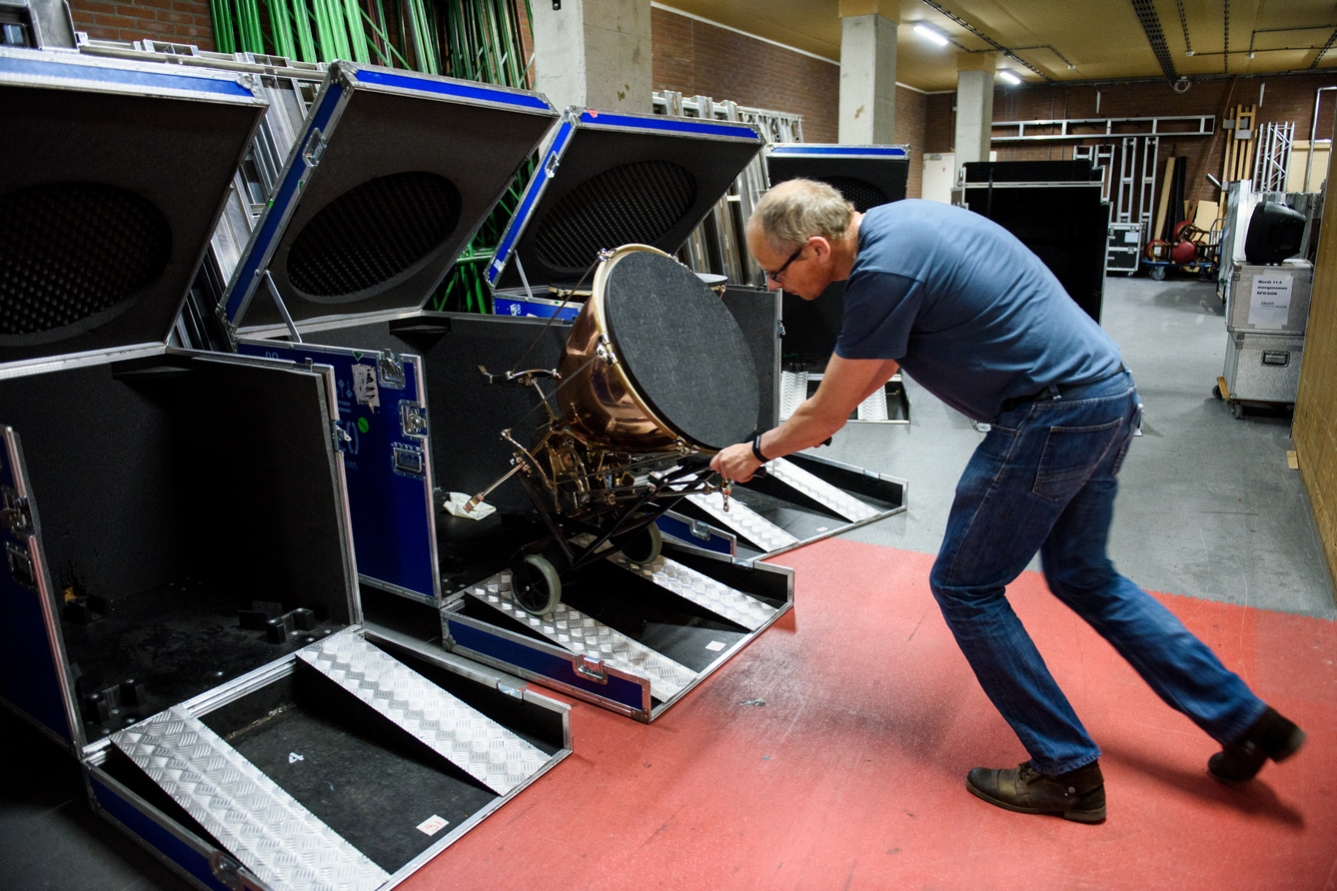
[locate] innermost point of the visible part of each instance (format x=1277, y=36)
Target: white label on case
x=365, y=388
x=1270, y=301
x=715, y=646
x=432, y=825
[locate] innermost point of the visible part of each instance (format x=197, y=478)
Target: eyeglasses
x=775, y=276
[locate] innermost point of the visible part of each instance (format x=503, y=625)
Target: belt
x=1056, y=391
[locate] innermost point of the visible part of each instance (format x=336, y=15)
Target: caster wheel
x=536, y=585
x=1216, y=391
x=1157, y=273
x=644, y=546
x=1236, y=410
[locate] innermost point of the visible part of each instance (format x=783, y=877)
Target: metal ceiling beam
x=1323, y=52
x=987, y=39
x=1151, y=24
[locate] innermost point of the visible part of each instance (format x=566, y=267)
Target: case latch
x=315, y=148
x=412, y=418
x=391, y=370
x=16, y=515
x=21, y=566
x=341, y=438
x=591, y=669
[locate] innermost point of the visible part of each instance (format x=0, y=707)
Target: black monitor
x=1275, y=232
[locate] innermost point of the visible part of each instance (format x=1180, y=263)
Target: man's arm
x=845, y=384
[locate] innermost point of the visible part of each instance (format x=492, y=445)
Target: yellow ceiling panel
x=1099, y=39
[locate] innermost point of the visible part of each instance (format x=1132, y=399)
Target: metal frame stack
x=1274, y=156
x=717, y=246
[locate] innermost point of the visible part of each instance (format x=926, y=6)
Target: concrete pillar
x=594, y=53
x=974, y=106
x=868, y=71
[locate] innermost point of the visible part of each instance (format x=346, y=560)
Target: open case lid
x=390, y=179
x=114, y=175
x=1079, y=171
x=614, y=179
x=867, y=175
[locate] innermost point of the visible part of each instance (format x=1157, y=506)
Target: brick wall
x=911, y=118
x=173, y=21
x=700, y=59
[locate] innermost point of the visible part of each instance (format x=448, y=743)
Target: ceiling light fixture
x=932, y=35
x=1009, y=77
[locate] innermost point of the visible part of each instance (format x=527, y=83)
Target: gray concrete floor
x=1207, y=504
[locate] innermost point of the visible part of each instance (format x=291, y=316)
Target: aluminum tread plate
x=461, y=734
x=273, y=835
x=874, y=408
x=745, y=521
x=820, y=490
x=793, y=390
x=734, y=605
x=574, y=631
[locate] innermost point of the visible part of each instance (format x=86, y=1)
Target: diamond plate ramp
x=263, y=826
x=820, y=490
x=734, y=605
x=465, y=737
x=745, y=521
x=576, y=632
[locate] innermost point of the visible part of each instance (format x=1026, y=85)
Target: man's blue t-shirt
x=966, y=309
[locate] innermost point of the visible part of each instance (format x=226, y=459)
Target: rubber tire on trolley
x=536, y=585
x=1157, y=273
x=1236, y=410
x=1216, y=391
x=644, y=546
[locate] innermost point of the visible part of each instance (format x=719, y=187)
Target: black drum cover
x=682, y=349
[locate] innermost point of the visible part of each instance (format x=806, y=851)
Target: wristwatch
x=756, y=449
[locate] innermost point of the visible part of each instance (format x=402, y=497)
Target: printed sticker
x=715, y=646
x=1270, y=300
x=365, y=389
x=432, y=825
x=293, y=758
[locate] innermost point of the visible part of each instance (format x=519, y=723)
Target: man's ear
x=820, y=245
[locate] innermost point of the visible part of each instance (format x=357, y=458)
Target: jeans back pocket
x=1071, y=455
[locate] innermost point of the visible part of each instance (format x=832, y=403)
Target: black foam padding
x=757, y=312
x=379, y=137
x=1067, y=227
x=686, y=355
x=865, y=182
x=145, y=479
x=110, y=172
x=593, y=153
x=372, y=233
x=69, y=251
x=465, y=413
x=634, y=203
x=811, y=328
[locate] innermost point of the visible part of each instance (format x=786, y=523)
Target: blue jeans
x=1044, y=478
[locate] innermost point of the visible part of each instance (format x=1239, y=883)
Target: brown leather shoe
x=1271, y=736
x=1076, y=795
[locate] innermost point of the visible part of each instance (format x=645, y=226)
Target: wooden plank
x=1163, y=205
x=1314, y=429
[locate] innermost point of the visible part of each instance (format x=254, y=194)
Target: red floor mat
x=851, y=775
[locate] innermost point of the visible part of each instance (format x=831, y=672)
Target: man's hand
x=736, y=462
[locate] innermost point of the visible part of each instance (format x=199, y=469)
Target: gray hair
x=797, y=209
